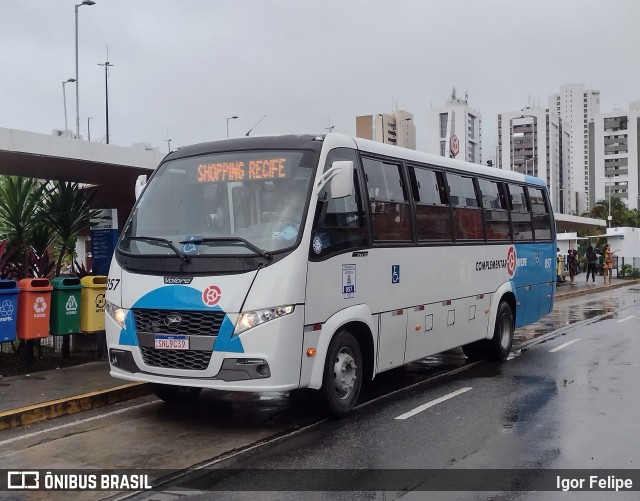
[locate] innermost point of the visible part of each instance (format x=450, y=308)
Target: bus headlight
x=117, y=313
x=250, y=319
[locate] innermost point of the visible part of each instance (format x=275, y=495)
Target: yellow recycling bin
x=92, y=303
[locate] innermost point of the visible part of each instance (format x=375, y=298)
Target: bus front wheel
x=174, y=394
x=499, y=346
x=342, y=378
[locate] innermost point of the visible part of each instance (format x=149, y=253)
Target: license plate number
x=172, y=342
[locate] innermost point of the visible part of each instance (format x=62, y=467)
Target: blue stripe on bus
x=536, y=181
x=180, y=297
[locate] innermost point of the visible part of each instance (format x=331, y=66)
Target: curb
x=70, y=405
x=593, y=290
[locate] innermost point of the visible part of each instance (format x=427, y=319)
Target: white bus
x=276, y=263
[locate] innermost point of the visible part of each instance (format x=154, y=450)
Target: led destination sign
x=267, y=168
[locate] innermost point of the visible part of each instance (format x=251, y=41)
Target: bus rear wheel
x=174, y=394
x=342, y=378
x=499, y=346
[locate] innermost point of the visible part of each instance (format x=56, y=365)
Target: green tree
x=618, y=211
x=19, y=217
x=67, y=210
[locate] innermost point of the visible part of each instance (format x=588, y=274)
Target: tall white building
x=455, y=123
x=615, y=156
x=576, y=107
x=396, y=128
x=532, y=142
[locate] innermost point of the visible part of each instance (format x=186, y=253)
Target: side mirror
x=341, y=181
x=141, y=182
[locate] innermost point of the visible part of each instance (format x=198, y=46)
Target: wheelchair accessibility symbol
x=395, y=273
x=191, y=245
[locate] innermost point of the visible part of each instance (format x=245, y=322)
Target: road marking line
x=625, y=319
x=432, y=403
x=564, y=345
x=75, y=423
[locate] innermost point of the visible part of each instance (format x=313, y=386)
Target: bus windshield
x=248, y=203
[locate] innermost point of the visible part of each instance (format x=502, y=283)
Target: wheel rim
x=344, y=373
x=505, y=331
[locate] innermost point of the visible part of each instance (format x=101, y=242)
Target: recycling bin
x=65, y=305
x=8, y=310
x=34, y=301
x=92, y=303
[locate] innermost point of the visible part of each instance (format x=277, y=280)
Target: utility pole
x=168, y=141
x=106, y=65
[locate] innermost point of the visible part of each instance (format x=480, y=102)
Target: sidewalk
x=45, y=395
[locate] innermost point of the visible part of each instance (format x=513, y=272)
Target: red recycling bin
x=34, y=305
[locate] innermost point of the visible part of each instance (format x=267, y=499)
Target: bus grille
x=194, y=323
x=176, y=359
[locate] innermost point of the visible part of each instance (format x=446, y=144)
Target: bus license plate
x=172, y=342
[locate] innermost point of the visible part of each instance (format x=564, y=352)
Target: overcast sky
x=184, y=66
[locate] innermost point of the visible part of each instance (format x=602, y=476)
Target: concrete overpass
x=112, y=169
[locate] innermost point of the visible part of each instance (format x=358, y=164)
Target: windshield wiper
x=185, y=258
x=196, y=241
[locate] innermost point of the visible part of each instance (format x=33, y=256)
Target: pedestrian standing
x=592, y=262
x=607, y=264
x=559, y=267
x=572, y=261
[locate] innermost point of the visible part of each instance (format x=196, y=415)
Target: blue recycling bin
x=8, y=310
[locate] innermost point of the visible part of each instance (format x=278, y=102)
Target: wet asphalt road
x=568, y=403
x=573, y=408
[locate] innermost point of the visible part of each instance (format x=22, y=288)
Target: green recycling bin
x=65, y=306
x=92, y=303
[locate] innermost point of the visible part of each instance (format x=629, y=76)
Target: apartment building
x=576, y=106
x=532, y=141
x=392, y=128
x=615, y=156
x=455, y=130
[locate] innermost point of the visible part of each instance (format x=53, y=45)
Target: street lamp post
x=526, y=165
x=606, y=181
x=230, y=118
x=106, y=65
x=85, y=2
x=89, y=129
x=64, y=101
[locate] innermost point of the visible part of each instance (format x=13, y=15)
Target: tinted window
x=467, y=216
x=384, y=181
x=520, y=215
x=339, y=224
x=390, y=208
x=541, y=217
x=495, y=209
x=462, y=191
x=433, y=215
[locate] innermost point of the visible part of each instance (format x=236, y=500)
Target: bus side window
x=467, y=215
x=390, y=207
x=541, y=217
x=520, y=214
x=339, y=224
x=433, y=215
x=496, y=215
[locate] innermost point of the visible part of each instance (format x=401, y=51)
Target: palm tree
x=67, y=209
x=601, y=210
x=19, y=216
